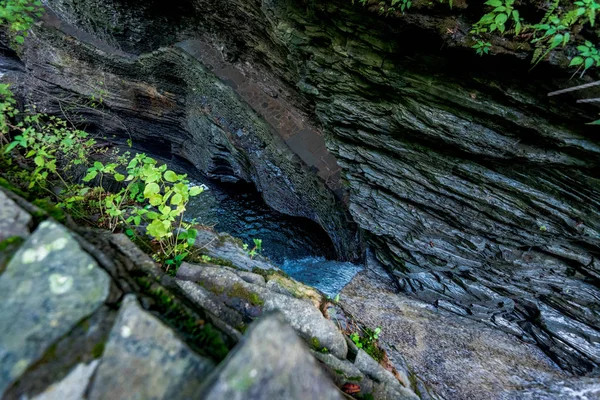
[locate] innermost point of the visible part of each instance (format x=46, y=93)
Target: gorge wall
x=474, y=188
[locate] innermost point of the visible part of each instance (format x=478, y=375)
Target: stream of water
x=298, y=246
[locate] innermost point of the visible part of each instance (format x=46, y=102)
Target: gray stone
x=387, y=386
x=578, y=388
x=73, y=386
x=206, y=300
x=14, y=221
x=252, y=278
x=145, y=359
x=309, y=323
x=272, y=363
x=342, y=371
x=49, y=286
x=252, y=300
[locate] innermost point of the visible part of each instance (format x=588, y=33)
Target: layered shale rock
x=475, y=189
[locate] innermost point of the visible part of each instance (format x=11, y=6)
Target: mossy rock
x=238, y=290
x=295, y=288
x=51, y=209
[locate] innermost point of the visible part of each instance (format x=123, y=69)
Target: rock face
x=167, y=102
x=477, y=190
x=461, y=359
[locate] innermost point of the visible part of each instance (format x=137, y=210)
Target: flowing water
x=328, y=276
x=298, y=246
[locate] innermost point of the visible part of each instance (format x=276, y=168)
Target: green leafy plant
x=498, y=17
x=164, y=195
x=368, y=341
x=555, y=33
x=7, y=111
x=19, y=16
x=588, y=9
x=151, y=198
x=257, y=249
x=403, y=5
x=555, y=30
x=588, y=57
x=482, y=47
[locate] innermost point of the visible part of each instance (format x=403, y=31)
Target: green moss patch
x=204, y=337
x=238, y=290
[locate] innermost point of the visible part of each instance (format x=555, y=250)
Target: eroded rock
x=457, y=357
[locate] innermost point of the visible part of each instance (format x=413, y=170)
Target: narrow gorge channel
x=443, y=206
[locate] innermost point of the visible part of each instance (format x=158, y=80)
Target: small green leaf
x=150, y=189
x=119, y=177
x=196, y=190
x=493, y=3
x=90, y=175
x=155, y=199
x=176, y=199
x=500, y=19
x=576, y=61
x=39, y=161
x=170, y=176
x=588, y=62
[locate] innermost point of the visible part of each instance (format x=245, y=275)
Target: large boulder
x=230, y=294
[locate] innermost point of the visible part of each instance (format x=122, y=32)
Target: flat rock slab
x=272, y=363
x=48, y=287
x=458, y=357
x=144, y=359
x=14, y=221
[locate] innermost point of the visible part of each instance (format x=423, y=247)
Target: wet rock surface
x=474, y=188
x=141, y=98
